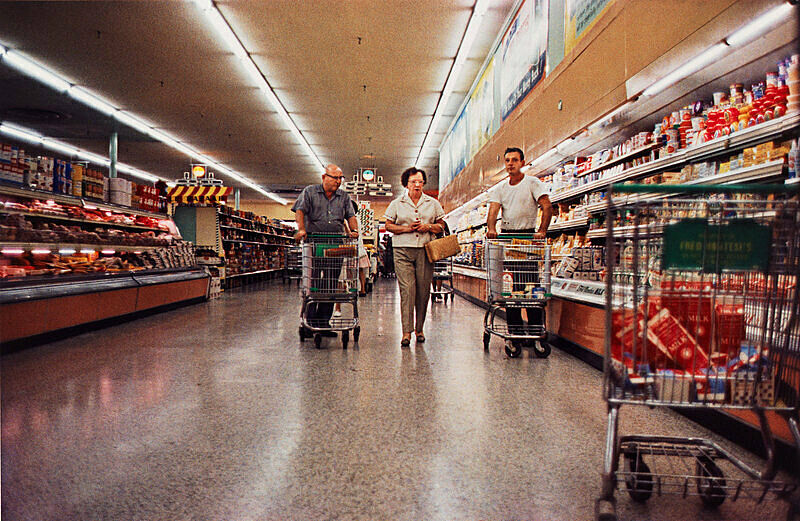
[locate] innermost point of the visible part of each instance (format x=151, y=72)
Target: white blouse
x=404, y=212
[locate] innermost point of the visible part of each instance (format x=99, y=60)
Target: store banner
x=481, y=111
x=446, y=173
x=522, y=54
x=579, y=17
x=458, y=143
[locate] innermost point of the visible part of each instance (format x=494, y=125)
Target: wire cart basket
x=518, y=277
x=294, y=264
x=701, y=308
x=443, y=273
x=329, y=277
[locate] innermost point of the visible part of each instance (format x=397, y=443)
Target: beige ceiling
x=359, y=78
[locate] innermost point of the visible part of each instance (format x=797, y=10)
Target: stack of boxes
x=119, y=191
x=93, y=185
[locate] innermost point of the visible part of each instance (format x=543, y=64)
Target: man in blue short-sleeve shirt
x=323, y=208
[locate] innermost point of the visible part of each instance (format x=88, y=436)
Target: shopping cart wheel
x=302, y=333
x=541, y=349
x=513, y=349
x=640, y=481
x=317, y=340
x=487, y=338
x=710, y=483
x=356, y=333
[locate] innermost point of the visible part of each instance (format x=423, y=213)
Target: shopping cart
x=330, y=276
x=518, y=277
x=702, y=303
x=294, y=264
x=443, y=273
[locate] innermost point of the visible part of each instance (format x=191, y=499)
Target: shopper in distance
x=414, y=218
x=520, y=197
x=324, y=208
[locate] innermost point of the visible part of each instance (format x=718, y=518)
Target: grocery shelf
x=32, y=193
x=581, y=222
x=740, y=139
x=471, y=227
x=624, y=232
x=254, y=242
x=740, y=175
x=793, y=180
x=267, y=234
x=55, y=246
x=617, y=160
x=82, y=221
x=588, y=291
x=469, y=271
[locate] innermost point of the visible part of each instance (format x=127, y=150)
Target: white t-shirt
x=518, y=202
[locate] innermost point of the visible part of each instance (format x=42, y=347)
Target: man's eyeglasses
x=416, y=182
x=336, y=177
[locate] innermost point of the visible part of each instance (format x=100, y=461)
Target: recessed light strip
x=481, y=6
x=33, y=69
x=223, y=29
x=30, y=136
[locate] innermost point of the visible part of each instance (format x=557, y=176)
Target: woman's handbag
x=439, y=249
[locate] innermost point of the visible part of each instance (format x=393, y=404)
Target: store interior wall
x=629, y=38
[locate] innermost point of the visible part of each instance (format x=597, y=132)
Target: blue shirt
x=323, y=215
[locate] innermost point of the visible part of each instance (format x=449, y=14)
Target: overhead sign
x=198, y=171
x=368, y=175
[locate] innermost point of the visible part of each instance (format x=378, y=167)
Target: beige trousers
x=414, y=273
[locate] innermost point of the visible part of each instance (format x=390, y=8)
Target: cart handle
x=694, y=189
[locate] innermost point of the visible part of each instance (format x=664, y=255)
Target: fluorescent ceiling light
x=687, y=69
x=605, y=120
x=760, y=25
x=135, y=123
x=91, y=100
x=20, y=133
x=41, y=73
x=33, y=69
x=470, y=34
x=61, y=148
x=547, y=155
x=223, y=30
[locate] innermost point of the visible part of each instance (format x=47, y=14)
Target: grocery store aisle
x=217, y=412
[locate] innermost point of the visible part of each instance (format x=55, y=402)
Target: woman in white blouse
x=413, y=219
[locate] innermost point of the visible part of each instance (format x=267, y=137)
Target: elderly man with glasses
x=324, y=208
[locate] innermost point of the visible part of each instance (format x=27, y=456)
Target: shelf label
x=695, y=244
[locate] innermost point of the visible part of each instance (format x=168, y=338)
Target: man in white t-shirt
x=520, y=197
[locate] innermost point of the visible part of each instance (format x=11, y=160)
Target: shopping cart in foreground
x=518, y=277
x=330, y=276
x=702, y=305
x=443, y=274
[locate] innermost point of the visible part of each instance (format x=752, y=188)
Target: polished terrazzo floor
x=216, y=411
